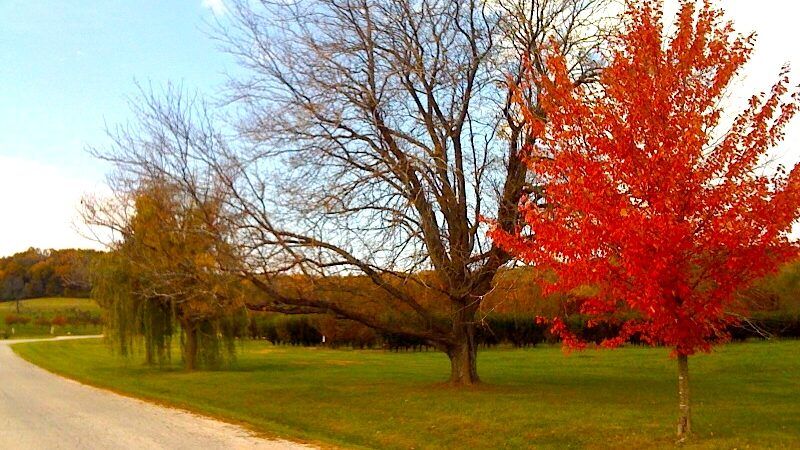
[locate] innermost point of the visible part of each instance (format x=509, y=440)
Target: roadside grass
x=745, y=395
x=74, y=310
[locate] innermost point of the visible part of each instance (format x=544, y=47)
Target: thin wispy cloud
x=216, y=6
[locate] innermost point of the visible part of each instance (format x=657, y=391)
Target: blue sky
x=67, y=67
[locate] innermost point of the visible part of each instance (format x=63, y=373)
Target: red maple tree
x=646, y=196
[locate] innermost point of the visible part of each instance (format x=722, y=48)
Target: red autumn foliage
x=645, y=196
x=59, y=321
x=13, y=319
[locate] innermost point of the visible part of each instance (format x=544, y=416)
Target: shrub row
x=289, y=330
x=517, y=331
x=13, y=319
x=77, y=318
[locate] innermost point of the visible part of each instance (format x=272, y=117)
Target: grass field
x=46, y=309
x=745, y=395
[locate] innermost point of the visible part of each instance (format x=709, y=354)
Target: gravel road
x=39, y=410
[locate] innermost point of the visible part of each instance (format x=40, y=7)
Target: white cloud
x=216, y=6
x=39, y=206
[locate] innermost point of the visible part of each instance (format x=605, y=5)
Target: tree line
x=46, y=273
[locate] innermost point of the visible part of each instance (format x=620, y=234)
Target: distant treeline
x=46, y=273
x=773, y=305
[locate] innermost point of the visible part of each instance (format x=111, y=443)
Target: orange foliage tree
x=646, y=196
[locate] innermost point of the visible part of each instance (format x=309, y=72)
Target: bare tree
x=371, y=138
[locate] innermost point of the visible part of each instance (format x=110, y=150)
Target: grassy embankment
x=744, y=395
x=73, y=316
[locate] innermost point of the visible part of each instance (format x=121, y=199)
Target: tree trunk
x=17, y=306
x=190, y=347
x=463, y=352
x=685, y=418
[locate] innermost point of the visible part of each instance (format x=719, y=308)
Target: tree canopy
x=645, y=195
x=368, y=139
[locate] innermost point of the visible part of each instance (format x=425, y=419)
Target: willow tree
x=163, y=277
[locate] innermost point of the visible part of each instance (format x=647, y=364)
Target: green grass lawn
x=48, y=308
x=744, y=395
